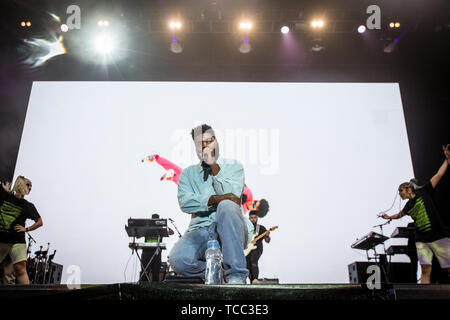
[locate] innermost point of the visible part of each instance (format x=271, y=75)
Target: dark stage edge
x=197, y=292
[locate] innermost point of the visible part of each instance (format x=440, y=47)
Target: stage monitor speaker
x=397, y=272
x=55, y=273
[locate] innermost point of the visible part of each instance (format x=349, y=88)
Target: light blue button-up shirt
x=194, y=193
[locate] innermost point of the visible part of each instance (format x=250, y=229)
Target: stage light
x=103, y=23
x=317, y=23
x=64, y=28
x=394, y=24
x=245, y=25
x=37, y=48
x=245, y=47
x=104, y=44
x=317, y=48
x=175, y=25
x=390, y=46
x=28, y=24
x=362, y=29
x=284, y=29
x=23, y=24
x=176, y=46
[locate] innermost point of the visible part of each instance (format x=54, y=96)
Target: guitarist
x=254, y=255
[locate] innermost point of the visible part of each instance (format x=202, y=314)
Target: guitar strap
x=257, y=229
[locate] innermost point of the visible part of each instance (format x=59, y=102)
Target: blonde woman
x=14, y=211
x=431, y=237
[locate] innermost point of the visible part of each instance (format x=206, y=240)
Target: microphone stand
x=30, y=238
x=173, y=223
x=383, y=260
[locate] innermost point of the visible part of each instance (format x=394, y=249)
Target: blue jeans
x=188, y=255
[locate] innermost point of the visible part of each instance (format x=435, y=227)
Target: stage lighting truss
x=261, y=22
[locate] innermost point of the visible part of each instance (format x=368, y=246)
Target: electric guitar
x=252, y=245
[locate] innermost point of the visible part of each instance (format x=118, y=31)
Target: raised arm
x=395, y=216
x=438, y=176
x=249, y=195
x=166, y=164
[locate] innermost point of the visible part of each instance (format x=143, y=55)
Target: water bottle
x=213, y=272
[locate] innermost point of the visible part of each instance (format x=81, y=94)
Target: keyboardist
x=432, y=239
x=147, y=253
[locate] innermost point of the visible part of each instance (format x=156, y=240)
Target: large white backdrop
x=327, y=156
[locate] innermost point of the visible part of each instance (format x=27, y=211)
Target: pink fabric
x=249, y=195
x=166, y=164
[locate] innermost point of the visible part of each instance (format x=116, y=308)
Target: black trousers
x=154, y=268
x=252, y=264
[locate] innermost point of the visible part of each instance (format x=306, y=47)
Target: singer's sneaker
x=236, y=280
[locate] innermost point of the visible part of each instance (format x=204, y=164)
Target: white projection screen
x=327, y=156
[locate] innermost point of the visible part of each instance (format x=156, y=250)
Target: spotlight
x=175, y=25
x=103, y=23
x=317, y=23
x=175, y=46
x=23, y=24
x=28, y=24
x=64, y=28
x=104, y=44
x=390, y=46
x=362, y=29
x=394, y=24
x=245, y=25
x=245, y=47
x=284, y=29
x=317, y=48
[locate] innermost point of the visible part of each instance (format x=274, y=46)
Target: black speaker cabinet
x=55, y=273
x=396, y=272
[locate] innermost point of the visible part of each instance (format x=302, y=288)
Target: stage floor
x=192, y=292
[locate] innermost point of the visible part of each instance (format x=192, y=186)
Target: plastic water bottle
x=213, y=272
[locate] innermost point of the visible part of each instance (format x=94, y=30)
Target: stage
x=199, y=292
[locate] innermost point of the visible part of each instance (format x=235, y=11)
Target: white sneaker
x=236, y=280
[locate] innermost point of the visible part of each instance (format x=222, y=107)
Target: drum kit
x=39, y=266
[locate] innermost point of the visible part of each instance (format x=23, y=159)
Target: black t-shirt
x=424, y=212
x=259, y=243
x=14, y=211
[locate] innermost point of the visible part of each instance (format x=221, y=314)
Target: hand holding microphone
x=384, y=216
x=207, y=154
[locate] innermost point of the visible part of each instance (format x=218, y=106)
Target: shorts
x=440, y=248
x=17, y=252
